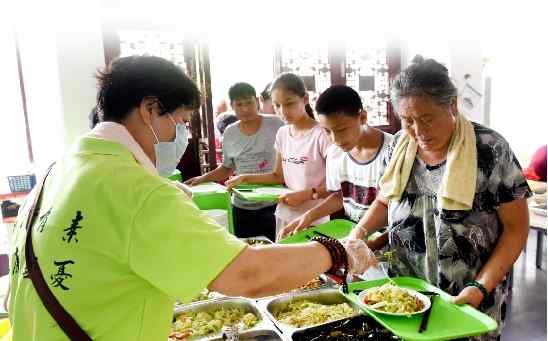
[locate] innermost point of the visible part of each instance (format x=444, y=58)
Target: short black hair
x=126, y=81
x=225, y=121
x=266, y=92
x=339, y=99
x=93, y=118
x=240, y=91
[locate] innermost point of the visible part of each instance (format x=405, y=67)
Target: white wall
x=236, y=57
x=13, y=141
x=460, y=56
x=61, y=48
x=80, y=53
x=518, y=109
x=43, y=93
x=466, y=58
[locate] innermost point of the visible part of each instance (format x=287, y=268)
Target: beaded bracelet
x=339, y=258
x=480, y=287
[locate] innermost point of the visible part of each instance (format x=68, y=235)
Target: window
x=367, y=67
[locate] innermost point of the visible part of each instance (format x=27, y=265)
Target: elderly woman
x=453, y=195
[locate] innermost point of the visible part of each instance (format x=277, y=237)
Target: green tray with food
x=337, y=228
x=262, y=193
x=399, y=305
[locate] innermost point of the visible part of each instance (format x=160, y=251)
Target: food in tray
x=356, y=328
x=203, y=323
x=206, y=295
x=392, y=299
x=313, y=284
x=304, y=313
x=251, y=241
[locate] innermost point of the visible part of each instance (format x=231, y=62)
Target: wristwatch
x=314, y=194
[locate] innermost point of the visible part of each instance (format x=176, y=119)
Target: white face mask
x=168, y=154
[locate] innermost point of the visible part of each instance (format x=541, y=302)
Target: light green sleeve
x=176, y=247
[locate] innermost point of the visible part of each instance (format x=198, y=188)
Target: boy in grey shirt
x=248, y=147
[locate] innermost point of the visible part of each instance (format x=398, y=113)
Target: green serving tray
x=447, y=320
x=247, y=192
x=217, y=198
x=338, y=228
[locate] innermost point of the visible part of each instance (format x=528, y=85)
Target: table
x=537, y=222
x=6, y=229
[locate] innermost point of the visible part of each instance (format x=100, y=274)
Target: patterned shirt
x=448, y=248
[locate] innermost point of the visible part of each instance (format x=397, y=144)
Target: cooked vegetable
x=313, y=284
x=205, y=294
x=257, y=242
x=392, y=299
x=304, y=313
x=204, y=323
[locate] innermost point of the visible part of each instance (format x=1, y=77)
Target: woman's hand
x=357, y=233
x=235, y=181
x=295, y=199
x=470, y=295
x=360, y=257
x=297, y=225
x=194, y=181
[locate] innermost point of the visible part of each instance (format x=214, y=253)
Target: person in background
x=453, y=196
x=301, y=148
x=248, y=147
x=117, y=243
x=354, y=161
x=221, y=107
x=536, y=170
x=224, y=121
x=222, y=118
x=266, y=101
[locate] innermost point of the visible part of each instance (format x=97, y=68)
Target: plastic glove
x=360, y=257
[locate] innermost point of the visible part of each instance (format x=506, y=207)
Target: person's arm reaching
x=331, y=204
x=272, y=178
x=374, y=219
x=218, y=174
x=270, y=270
